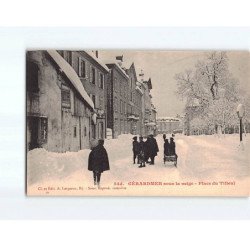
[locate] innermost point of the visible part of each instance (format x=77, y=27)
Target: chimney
x=141, y=75
x=119, y=60
x=96, y=53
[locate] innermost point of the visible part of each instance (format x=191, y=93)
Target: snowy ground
x=207, y=165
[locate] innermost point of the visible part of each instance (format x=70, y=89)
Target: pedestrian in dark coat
x=164, y=137
x=98, y=161
x=147, y=149
x=136, y=150
x=141, y=156
x=166, y=148
x=172, y=146
x=172, y=150
x=153, y=149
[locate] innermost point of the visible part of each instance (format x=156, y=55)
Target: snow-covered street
x=205, y=165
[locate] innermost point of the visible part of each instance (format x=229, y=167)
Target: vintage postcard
x=137, y=123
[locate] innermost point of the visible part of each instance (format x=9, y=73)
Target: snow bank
x=213, y=157
x=43, y=165
x=200, y=158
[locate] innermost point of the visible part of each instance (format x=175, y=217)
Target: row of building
x=74, y=98
x=170, y=125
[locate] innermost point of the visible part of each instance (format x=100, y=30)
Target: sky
x=162, y=66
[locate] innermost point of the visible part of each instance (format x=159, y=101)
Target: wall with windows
x=44, y=117
x=117, y=101
x=91, y=75
x=138, y=111
x=57, y=119
x=135, y=103
x=93, y=78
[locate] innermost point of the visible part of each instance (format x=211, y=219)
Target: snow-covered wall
x=49, y=99
x=66, y=131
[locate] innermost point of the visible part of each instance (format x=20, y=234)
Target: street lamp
x=240, y=113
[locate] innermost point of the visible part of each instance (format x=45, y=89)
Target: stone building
x=138, y=108
x=135, y=102
x=93, y=75
x=169, y=125
x=118, y=106
x=149, y=119
x=153, y=119
x=59, y=110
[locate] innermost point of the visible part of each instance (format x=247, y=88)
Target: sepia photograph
x=137, y=123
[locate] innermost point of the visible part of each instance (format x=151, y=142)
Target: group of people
x=142, y=151
x=169, y=146
x=145, y=150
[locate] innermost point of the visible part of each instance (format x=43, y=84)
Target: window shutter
x=79, y=66
x=96, y=101
x=91, y=77
x=71, y=58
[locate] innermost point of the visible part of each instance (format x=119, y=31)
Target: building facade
x=93, y=75
x=153, y=119
x=149, y=119
x=134, y=102
x=118, y=106
x=169, y=125
x=58, y=109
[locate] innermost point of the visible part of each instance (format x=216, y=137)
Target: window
x=101, y=130
x=65, y=98
x=124, y=91
x=68, y=57
x=121, y=106
x=74, y=131
x=79, y=107
x=125, y=108
x=115, y=104
x=101, y=102
x=93, y=99
x=115, y=84
x=85, y=131
x=38, y=129
x=43, y=129
x=32, y=77
x=82, y=68
x=131, y=83
x=101, y=81
x=93, y=131
x=93, y=75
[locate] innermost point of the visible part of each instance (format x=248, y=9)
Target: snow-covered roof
x=138, y=84
x=120, y=68
x=93, y=56
x=139, y=89
x=149, y=83
x=71, y=75
x=153, y=107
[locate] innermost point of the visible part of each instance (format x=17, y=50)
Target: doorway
x=33, y=130
x=101, y=130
